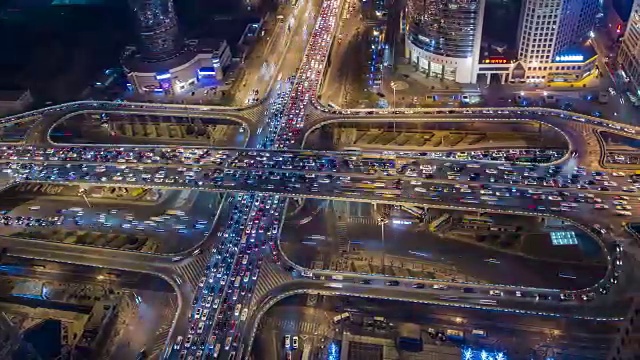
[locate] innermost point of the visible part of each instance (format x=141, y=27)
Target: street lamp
x=382, y=220
x=394, y=86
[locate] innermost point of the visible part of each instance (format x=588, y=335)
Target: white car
x=178, y=343
x=495, y=293
x=295, y=342
x=243, y=316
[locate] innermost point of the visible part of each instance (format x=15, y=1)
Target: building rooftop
x=136, y=63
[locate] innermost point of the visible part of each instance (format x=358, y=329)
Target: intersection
x=257, y=182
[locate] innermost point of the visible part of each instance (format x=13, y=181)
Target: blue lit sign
x=163, y=76
x=206, y=71
x=570, y=58
x=478, y=354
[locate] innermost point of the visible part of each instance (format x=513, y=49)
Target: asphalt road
x=422, y=246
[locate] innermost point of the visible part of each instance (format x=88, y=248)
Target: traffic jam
x=249, y=239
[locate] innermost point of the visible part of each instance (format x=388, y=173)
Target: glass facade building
x=629, y=53
x=443, y=37
x=157, y=27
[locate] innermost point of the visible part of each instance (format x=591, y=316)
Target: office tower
x=443, y=37
x=627, y=344
x=549, y=27
x=629, y=54
x=157, y=27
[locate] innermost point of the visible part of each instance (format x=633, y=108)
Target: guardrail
x=113, y=104
x=467, y=110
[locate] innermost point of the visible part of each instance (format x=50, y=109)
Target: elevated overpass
x=46, y=118
x=576, y=218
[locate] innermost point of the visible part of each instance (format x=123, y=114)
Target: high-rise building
x=550, y=27
x=443, y=37
x=629, y=54
x=627, y=343
x=157, y=27
x=553, y=37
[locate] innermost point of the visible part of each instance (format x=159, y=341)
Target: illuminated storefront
x=481, y=354
x=182, y=73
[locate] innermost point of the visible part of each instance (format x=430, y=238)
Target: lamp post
x=394, y=86
x=382, y=220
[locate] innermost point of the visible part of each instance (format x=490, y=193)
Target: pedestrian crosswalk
x=194, y=269
x=159, y=341
x=341, y=234
x=270, y=277
x=365, y=220
x=296, y=326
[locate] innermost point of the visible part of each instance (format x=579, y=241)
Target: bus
x=388, y=192
x=454, y=334
x=472, y=219
x=365, y=186
x=435, y=224
x=338, y=318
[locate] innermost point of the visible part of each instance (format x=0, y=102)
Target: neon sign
x=163, y=76
x=476, y=354
x=494, y=61
x=570, y=58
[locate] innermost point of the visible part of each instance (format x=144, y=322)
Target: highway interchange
x=260, y=178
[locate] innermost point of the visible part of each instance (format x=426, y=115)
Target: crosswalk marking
x=366, y=220
x=162, y=333
x=341, y=233
x=270, y=277
x=296, y=327
x=194, y=270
